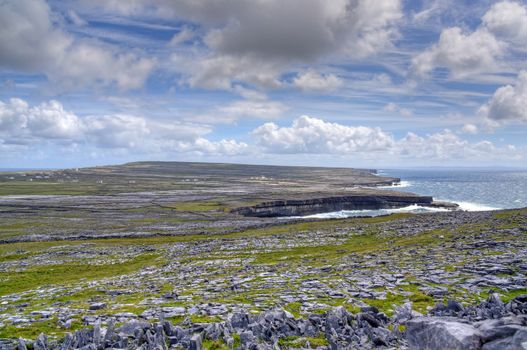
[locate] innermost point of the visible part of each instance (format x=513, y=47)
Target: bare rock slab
x=432, y=333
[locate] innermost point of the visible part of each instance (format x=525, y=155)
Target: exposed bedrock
x=491, y=325
x=298, y=207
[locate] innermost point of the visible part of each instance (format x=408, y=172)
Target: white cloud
x=463, y=54
x=31, y=42
x=255, y=106
x=308, y=135
x=49, y=122
x=503, y=30
x=447, y=146
x=19, y=123
x=469, y=129
x=312, y=135
x=508, y=104
x=253, y=109
x=222, y=147
x=508, y=20
x=394, y=107
x=221, y=71
x=314, y=81
x=182, y=36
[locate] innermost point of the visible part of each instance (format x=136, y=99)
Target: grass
x=61, y=274
x=372, y=241
x=48, y=188
x=386, y=305
x=194, y=206
x=214, y=345
x=50, y=327
x=356, y=244
x=293, y=308
x=507, y=296
x=6, y=249
x=301, y=342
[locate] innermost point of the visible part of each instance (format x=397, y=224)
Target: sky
x=352, y=83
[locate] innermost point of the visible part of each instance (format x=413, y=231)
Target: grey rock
x=403, y=312
x=196, y=342
x=41, y=343
x=239, y=320
x=97, y=306
x=516, y=342
x=21, y=344
x=501, y=328
x=130, y=327
x=441, y=333
x=246, y=337
x=67, y=342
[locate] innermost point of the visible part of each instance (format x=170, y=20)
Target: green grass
x=294, y=342
x=48, y=188
x=50, y=327
x=356, y=244
x=214, y=345
x=194, y=206
x=62, y=274
x=507, y=296
x=386, y=305
x=293, y=308
x=510, y=213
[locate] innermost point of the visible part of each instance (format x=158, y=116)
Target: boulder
x=441, y=333
x=516, y=342
x=41, y=343
x=196, y=342
x=97, y=306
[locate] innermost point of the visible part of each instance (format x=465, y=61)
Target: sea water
x=472, y=189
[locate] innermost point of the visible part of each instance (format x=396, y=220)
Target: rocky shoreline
x=359, y=201
x=491, y=325
x=153, y=257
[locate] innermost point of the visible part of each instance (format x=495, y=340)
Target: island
x=173, y=255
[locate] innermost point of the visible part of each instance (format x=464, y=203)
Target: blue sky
x=378, y=83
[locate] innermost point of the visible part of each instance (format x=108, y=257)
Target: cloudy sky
x=377, y=83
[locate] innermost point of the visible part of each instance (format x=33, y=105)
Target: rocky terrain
x=363, y=199
x=175, y=268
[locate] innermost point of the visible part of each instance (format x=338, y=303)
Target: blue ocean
x=473, y=190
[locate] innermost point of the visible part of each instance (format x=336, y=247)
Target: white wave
x=401, y=184
x=414, y=208
x=470, y=206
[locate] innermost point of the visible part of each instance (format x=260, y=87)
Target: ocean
x=472, y=189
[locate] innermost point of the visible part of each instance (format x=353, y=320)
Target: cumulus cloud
x=469, y=129
x=507, y=104
x=462, y=53
x=312, y=135
x=314, y=81
x=244, y=45
x=222, y=72
x=503, y=29
x=31, y=42
x=308, y=135
x=508, y=20
x=19, y=123
x=49, y=122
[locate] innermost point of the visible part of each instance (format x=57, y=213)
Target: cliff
x=356, y=201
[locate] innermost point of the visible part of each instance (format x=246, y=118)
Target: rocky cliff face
x=335, y=203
